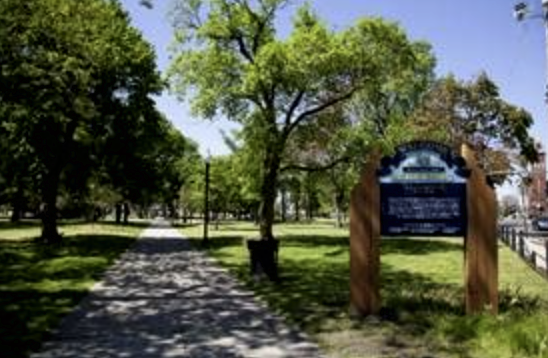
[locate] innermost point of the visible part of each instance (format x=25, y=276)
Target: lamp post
x=206, y=198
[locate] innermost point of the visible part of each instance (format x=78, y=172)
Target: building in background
x=536, y=188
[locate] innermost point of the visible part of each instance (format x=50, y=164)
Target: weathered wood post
x=546, y=254
x=481, y=254
x=365, y=298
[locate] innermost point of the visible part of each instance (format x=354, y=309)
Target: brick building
x=536, y=190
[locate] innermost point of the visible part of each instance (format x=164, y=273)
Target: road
x=535, y=241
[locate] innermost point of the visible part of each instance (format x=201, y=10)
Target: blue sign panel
x=423, y=191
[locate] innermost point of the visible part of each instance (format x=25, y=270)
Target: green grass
x=422, y=290
x=39, y=284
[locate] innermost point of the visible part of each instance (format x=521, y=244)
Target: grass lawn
x=422, y=290
x=38, y=284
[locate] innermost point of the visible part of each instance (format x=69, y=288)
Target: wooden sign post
x=423, y=190
x=481, y=253
x=365, y=232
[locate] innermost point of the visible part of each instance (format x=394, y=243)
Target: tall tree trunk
x=284, y=205
x=268, y=196
x=142, y=212
x=339, y=198
x=118, y=213
x=126, y=213
x=50, y=235
x=308, y=208
x=255, y=213
x=17, y=205
x=185, y=215
x=297, y=205
x=54, y=162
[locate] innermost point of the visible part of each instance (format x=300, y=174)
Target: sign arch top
x=423, y=161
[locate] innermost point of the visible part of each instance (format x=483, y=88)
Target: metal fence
x=531, y=247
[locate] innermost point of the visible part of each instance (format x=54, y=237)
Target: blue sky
x=467, y=37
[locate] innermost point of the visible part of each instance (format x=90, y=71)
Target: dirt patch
x=374, y=343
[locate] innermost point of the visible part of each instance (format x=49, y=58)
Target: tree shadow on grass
x=315, y=293
x=217, y=243
x=38, y=284
x=315, y=297
x=417, y=309
x=341, y=241
x=28, y=223
x=419, y=246
x=165, y=299
x=180, y=225
x=6, y=224
x=406, y=246
x=243, y=226
x=27, y=317
x=136, y=224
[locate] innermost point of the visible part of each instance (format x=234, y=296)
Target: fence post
x=534, y=258
x=521, y=244
x=513, y=240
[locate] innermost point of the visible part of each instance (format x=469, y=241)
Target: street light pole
x=206, y=199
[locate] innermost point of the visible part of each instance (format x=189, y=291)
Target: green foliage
x=76, y=113
x=148, y=162
x=457, y=111
x=230, y=62
x=68, y=66
x=422, y=289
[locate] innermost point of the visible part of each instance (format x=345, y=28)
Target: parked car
x=541, y=223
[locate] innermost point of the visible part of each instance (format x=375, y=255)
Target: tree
x=475, y=113
x=70, y=70
x=231, y=62
x=147, y=162
x=509, y=205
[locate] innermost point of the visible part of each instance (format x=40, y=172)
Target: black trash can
x=263, y=256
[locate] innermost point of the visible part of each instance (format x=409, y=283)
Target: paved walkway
x=163, y=299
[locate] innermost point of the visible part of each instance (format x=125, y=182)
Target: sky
x=467, y=36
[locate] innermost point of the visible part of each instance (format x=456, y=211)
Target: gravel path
x=164, y=299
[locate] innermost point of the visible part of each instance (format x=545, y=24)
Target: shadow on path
x=164, y=299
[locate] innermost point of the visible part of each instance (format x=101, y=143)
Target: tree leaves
x=473, y=111
x=229, y=62
x=75, y=74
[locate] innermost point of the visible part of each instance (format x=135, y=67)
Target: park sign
x=423, y=191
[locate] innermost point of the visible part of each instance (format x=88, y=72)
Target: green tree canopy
x=230, y=62
x=456, y=111
x=70, y=71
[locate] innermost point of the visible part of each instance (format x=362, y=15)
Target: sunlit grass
x=38, y=283
x=422, y=289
